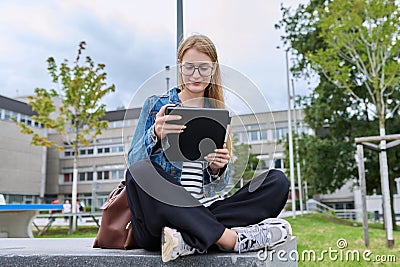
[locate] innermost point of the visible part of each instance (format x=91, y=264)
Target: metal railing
x=313, y=205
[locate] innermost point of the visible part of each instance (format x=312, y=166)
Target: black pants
x=200, y=226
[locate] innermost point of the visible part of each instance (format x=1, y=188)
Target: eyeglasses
x=188, y=69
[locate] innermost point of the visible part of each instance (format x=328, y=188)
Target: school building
x=31, y=174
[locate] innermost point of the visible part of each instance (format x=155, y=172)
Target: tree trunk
x=43, y=171
x=74, y=189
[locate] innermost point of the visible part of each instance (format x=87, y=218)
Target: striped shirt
x=192, y=181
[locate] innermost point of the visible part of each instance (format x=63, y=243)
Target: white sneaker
x=267, y=234
x=173, y=245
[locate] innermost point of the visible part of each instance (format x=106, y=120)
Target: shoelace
x=254, y=232
x=186, y=249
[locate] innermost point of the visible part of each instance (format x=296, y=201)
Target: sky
x=137, y=39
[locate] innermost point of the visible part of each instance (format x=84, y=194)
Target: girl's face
x=196, y=69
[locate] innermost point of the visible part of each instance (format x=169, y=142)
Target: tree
x=245, y=163
x=328, y=105
x=365, y=35
x=78, y=117
x=354, y=46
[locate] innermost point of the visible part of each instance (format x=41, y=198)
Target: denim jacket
x=145, y=144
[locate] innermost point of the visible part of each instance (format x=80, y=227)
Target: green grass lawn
x=317, y=232
x=314, y=232
x=62, y=232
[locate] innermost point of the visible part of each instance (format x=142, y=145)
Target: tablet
x=205, y=131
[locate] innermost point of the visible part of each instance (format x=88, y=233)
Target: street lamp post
x=297, y=152
x=167, y=78
x=179, y=23
x=292, y=183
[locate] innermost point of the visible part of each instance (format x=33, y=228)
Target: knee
x=279, y=179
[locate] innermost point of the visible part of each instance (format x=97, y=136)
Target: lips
x=196, y=83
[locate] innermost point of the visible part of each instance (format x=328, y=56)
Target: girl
x=173, y=204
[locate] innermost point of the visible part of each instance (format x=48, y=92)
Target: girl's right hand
x=162, y=128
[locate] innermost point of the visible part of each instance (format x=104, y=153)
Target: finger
x=161, y=112
x=172, y=118
x=217, y=165
x=171, y=129
x=162, y=122
x=168, y=126
x=219, y=155
x=219, y=160
x=221, y=150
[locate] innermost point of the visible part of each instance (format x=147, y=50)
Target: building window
x=84, y=174
x=67, y=177
x=280, y=133
x=69, y=153
x=7, y=115
x=115, y=124
x=110, y=175
x=253, y=127
x=281, y=124
x=278, y=163
x=264, y=135
x=110, y=172
x=117, y=149
x=254, y=136
x=21, y=199
x=82, y=152
x=103, y=175
x=110, y=149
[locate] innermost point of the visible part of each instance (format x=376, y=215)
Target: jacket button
x=173, y=171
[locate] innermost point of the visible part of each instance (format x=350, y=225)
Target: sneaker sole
x=169, y=242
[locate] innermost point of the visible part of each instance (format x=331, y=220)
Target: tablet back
x=205, y=131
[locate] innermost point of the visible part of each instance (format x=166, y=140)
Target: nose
x=196, y=73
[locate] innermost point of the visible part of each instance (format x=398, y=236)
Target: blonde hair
x=214, y=90
x=203, y=44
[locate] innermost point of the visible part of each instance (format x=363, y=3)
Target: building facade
x=22, y=166
x=34, y=174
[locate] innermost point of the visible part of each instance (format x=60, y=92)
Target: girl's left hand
x=218, y=159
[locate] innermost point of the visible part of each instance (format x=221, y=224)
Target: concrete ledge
x=79, y=252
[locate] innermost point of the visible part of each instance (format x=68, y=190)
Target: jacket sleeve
x=140, y=145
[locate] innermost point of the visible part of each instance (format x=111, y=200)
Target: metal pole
x=167, y=78
x=293, y=192
x=306, y=190
x=179, y=23
x=305, y=187
x=387, y=210
x=361, y=175
x=297, y=152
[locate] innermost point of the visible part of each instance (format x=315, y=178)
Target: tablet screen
x=205, y=131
